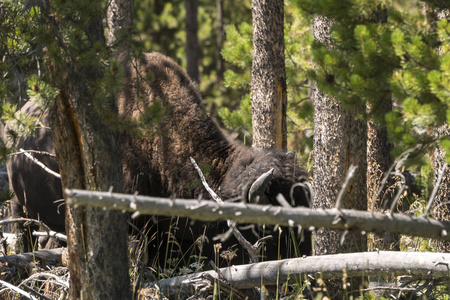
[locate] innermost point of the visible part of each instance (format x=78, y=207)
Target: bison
x=173, y=126
x=36, y=191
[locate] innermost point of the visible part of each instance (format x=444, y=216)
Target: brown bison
x=174, y=126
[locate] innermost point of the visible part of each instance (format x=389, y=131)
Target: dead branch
x=48, y=255
x=28, y=263
x=43, y=153
x=350, y=174
x=17, y=290
x=435, y=189
x=51, y=233
x=416, y=264
x=26, y=222
x=36, y=161
x=251, y=250
x=57, y=279
x=204, y=210
x=28, y=260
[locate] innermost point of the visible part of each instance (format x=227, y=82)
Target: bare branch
x=26, y=222
x=57, y=279
x=350, y=173
x=57, y=235
x=244, y=243
x=400, y=191
x=44, y=153
x=205, y=184
x=435, y=189
x=204, y=210
x=36, y=161
x=397, y=165
x=17, y=290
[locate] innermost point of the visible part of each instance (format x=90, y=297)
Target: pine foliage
x=387, y=50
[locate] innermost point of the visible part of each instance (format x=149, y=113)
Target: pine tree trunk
x=268, y=92
x=192, y=48
x=120, y=16
x=339, y=142
x=220, y=39
x=89, y=158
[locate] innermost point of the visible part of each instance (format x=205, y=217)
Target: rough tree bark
x=339, y=142
x=192, y=47
x=120, y=16
x=89, y=158
x=268, y=92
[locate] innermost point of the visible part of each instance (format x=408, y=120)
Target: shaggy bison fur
x=161, y=165
x=170, y=126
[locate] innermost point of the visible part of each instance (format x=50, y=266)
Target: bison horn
x=259, y=186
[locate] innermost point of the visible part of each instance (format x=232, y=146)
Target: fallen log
x=29, y=259
x=204, y=210
x=418, y=265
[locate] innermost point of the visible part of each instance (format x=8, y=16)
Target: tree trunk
x=89, y=158
x=220, y=39
x=268, y=92
x=339, y=142
x=192, y=47
x=120, y=17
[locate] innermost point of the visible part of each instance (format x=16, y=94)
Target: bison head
x=260, y=176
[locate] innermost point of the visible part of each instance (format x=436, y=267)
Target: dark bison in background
x=156, y=161
x=36, y=191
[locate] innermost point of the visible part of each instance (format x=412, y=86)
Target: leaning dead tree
x=204, y=210
x=416, y=265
